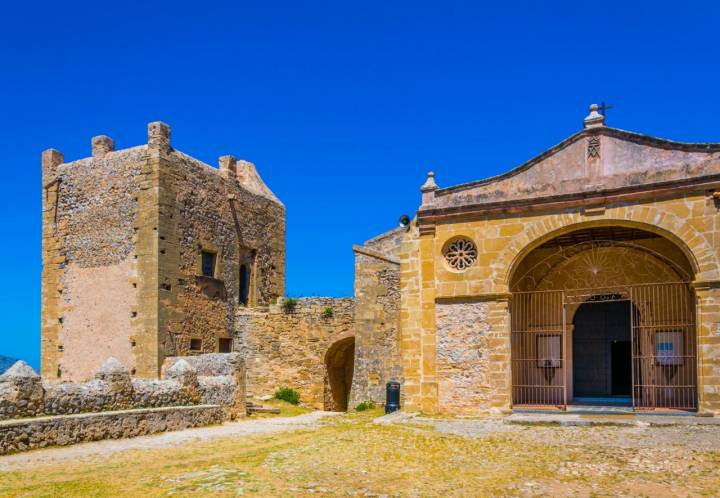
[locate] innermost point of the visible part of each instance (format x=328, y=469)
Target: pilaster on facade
x=53, y=261
x=429, y=382
x=145, y=328
x=708, y=344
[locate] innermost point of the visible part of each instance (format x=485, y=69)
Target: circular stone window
x=460, y=253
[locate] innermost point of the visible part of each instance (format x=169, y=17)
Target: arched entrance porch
x=339, y=364
x=593, y=307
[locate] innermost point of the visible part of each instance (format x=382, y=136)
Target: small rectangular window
x=225, y=345
x=195, y=344
x=208, y=263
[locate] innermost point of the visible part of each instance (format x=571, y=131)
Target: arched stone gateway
x=604, y=315
x=339, y=363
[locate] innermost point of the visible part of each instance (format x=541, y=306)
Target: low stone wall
x=288, y=347
x=41, y=432
x=24, y=394
x=221, y=379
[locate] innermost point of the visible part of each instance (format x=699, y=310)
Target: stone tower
x=148, y=252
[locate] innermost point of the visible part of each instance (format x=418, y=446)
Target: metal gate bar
x=663, y=344
x=537, y=344
x=664, y=349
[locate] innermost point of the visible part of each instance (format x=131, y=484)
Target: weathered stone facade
x=377, y=316
x=646, y=210
x=123, y=237
x=288, y=346
x=463, y=334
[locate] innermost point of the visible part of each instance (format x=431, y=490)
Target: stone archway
x=339, y=364
x=613, y=293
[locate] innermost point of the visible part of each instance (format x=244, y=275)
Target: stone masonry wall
x=214, y=212
x=28, y=434
x=377, y=313
x=463, y=357
x=23, y=393
x=221, y=379
x=288, y=348
x=89, y=266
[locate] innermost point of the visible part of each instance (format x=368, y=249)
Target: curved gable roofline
x=630, y=136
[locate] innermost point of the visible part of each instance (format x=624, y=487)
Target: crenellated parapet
x=24, y=394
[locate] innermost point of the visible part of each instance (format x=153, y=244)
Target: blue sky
x=343, y=106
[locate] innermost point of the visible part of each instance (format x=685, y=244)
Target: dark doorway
x=620, y=363
x=601, y=350
x=339, y=362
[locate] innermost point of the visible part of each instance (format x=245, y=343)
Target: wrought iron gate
x=538, y=342
x=662, y=335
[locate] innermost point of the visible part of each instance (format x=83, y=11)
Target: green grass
x=288, y=394
x=286, y=409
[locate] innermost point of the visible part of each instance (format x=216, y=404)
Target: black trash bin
x=392, y=397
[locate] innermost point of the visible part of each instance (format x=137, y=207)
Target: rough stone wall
x=463, y=355
x=221, y=379
x=377, y=314
x=89, y=268
x=122, y=237
x=288, y=348
x=24, y=394
x=215, y=212
x=23, y=435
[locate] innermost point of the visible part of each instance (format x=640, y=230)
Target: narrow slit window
x=208, y=263
x=244, y=293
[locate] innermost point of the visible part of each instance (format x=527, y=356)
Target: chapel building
x=589, y=274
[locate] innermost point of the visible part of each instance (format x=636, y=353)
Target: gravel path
x=101, y=449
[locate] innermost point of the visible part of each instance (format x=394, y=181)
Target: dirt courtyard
x=349, y=455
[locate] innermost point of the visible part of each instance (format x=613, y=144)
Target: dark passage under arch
x=339, y=363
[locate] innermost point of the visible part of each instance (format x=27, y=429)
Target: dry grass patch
x=350, y=456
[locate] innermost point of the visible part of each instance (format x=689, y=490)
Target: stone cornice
x=428, y=217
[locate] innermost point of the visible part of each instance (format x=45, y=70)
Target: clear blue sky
x=343, y=106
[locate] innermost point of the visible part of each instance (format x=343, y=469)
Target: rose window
x=460, y=254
